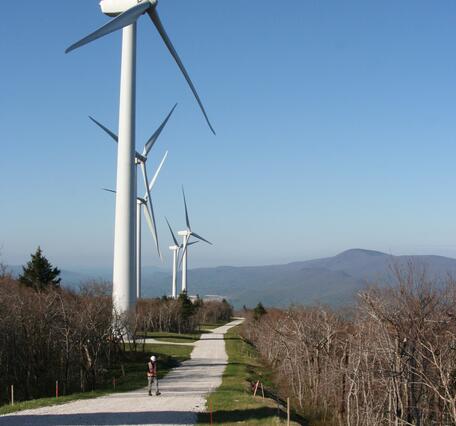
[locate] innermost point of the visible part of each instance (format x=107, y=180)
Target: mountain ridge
x=331, y=280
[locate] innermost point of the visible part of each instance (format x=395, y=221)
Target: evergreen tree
x=39, y=274
x=187, y=308
x=259, y=311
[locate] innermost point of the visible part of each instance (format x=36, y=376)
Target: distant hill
x=70, y=278
x=74, y=279
x=332, y=280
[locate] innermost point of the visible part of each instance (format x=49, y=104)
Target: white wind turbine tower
x=141, y=160
x=185, y=243
x=143, y=202
x=126, y=13
x=175, y=250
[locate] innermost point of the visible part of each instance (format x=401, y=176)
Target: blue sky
x=335, y=129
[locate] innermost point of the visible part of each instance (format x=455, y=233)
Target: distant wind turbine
x=175, y=250
x=126, y=13
x=186, y=235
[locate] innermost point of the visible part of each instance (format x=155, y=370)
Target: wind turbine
x=141, y=160
x=175, y=250
x=142, y=202
x=185, y=243
x=126, y=13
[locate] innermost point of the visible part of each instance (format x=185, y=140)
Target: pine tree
x=39, y=274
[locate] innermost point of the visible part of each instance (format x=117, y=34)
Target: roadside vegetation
x=49, y=334
x=233, y=402
x=390, y=360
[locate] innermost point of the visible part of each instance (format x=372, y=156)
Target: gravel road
x=183, y=395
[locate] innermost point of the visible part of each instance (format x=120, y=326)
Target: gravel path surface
x=183, y=395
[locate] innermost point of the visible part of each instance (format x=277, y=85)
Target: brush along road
x=183, y=393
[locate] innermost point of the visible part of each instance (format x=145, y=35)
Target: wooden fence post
x=288, y=411
x=12, y=394
x=256, y=388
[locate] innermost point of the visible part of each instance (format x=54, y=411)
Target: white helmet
x=153, y=359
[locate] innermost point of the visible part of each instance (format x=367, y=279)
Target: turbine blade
x=184, y=253
x=109, y=190
x=152, y=182
x=150, y=207
x=186, y=211
x=112, y=134
x=200, y=238
x=150, y=143
x=123, y=20
x=149, y=219
x=172, y=233
x=158, y=24
x=150, y=223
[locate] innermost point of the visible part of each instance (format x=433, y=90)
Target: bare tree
x=392, y=361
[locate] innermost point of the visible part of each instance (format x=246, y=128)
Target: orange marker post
x=210, y=410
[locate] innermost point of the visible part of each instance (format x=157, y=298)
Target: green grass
x=174, y=337
x=233, y=401
x=169, y=356
x=178, y=353
x=210, y=327
x=181, y=337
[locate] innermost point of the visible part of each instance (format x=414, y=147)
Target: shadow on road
x=234, y=416
x=140, y=418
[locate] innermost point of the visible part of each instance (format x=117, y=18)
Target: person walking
x=152, y=375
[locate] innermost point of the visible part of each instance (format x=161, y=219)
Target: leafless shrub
x=52, y=335
x=392, y=361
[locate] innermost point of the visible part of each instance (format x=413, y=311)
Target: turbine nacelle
x=116, y=7
x=140, y=158
x=184, y=233
x=141, y=200
x=174, y=248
